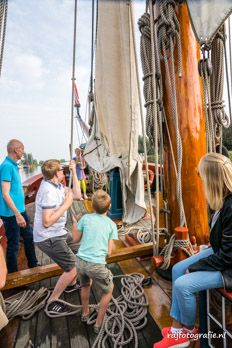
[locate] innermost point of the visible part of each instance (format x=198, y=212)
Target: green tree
x=28, y=160
x=227, y=138
x=150, y=150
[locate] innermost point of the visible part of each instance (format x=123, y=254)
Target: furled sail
x=114, y=137
x=207, y=16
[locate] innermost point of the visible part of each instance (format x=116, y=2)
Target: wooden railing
x=32, y=275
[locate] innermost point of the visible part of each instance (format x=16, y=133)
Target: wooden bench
x=32, y=275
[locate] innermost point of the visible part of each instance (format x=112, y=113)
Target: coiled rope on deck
x=25, y=303
x=125, y=314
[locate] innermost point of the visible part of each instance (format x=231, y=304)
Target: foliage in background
x=28, y=160
x=150, y=150
x=227, y=138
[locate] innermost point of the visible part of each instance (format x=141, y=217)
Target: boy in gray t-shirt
x=96, y=233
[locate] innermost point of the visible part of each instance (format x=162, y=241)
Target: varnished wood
x=31, y=187
x=130, y=252
x=189, y=97
x=32, y=275
x=226, y=294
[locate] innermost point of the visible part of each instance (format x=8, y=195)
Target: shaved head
x=12, y=144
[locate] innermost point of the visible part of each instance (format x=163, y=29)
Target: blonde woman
x=211, y=268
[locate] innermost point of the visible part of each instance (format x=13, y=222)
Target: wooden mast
x=192, y=129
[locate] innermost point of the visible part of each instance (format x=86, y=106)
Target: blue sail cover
x=207, y=16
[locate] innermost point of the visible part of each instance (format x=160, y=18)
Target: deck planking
x=69, y=331
x=45, y=332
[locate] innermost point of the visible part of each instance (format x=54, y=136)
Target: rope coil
x=26, y=303
x=125, y=314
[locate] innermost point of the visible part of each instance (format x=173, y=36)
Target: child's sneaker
x=74, y=287
x=171, y=340
x=85, y=317
x=193, y=336
x=56, y=307
x=96, y=329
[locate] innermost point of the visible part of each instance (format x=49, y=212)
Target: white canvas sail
x=114, y=139
x=207, y=17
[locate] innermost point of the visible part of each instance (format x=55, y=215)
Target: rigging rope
x=3, y=20
x=168, y=32
x=212, y=73
x=154, y=239
x=217, y=83
x=175, y=244
x=98, y=181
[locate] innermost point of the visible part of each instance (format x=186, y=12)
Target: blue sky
x=35, y=103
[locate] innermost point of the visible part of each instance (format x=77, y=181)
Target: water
x=27, y=173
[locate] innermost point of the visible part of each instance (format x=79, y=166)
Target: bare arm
x=3, y=269
x=76, y=185
x=7, y=198
x=77, y=235
x=110, y=247
x=50, y=216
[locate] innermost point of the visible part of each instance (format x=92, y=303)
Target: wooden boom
x=32, y=275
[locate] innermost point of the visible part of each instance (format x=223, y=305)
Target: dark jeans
x=13, y=233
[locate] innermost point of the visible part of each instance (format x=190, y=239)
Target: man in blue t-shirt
x=12, y=208
x=96, y=233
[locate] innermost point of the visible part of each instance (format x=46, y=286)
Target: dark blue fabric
x=13, y=233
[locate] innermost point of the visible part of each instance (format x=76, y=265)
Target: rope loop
x=175, y=244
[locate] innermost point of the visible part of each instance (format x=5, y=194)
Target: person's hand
x=20, y=220
x=72, y=166
x=68, y=199
x=76, y=218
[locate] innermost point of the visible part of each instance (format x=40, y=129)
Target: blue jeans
x=185, y=286
x=13, y=233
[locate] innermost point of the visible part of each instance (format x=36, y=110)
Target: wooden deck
x=42, y=331
x=69, y=332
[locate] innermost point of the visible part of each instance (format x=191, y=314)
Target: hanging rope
x=155, y=239
x=216, y=86
x=3, y=20
x=205, y=72
x=91, y=82
x=168, y=32
x=212, y=73
x=97, y=180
